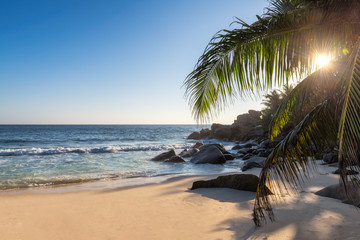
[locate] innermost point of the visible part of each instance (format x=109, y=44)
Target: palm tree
x=280, y=47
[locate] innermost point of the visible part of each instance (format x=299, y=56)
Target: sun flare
x=321, y=60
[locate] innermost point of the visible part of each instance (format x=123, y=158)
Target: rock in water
x=189, y=152
x=218, y=145
x=164, y=156
x=210, y=154
x=175, y=159
x=245, y=182
x=252, y=162
x=194, y=135
x=198, y=144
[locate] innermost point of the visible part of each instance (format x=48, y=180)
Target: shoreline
x=169, y=210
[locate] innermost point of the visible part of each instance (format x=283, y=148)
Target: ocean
x=46, y=155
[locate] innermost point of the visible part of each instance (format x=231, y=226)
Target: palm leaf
x=349, y=131
x=278, y=46
x=308, y=92
x=289, y=163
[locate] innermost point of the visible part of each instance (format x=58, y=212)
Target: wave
x=87, y=150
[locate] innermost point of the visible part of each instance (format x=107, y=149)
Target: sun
x=321, y=60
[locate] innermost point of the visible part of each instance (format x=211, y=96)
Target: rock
x=210, y=154
x=189, y=152
x=194, y=135
x=175, y=159
x=184, y=151
x=348, y=172
x=245, y=150
x=229, y=157
x=223, y=132
x=330, y=158
x=239, y=155
x=248, y=144
x=265, y=153
x=205, y=133
x=236, y=147
x=245, y=182
x=247, y=156
x=337, y=191
x=164, y=156
x=253, y=162
x=198, y=144
x=218, y=145
x=265, y=144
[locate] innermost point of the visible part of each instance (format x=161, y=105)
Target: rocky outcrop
x=245, y=127
x=245, y=182
x=253, y=162
x=164, y=156
x=175, y=159
x=208, y=154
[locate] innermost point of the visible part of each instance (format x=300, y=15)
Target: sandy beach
x=171, y=211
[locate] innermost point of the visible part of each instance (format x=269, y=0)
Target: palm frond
x=309, y=92
x=349, y=130
x=289, y=162
x=278, y=46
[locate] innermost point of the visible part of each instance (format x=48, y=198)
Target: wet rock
x=229, y=157
x=198, y=144
x=258, y=162
x=189, y=152
x=194, y=135
x=245, y=182
x=164, y=156
x=236, y=147
x=247, y=156
x=217, y=145
x=175, y=159
x=210, y=154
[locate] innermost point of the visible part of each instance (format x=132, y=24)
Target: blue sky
x=122, y=62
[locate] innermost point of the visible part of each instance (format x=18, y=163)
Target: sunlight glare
x=321, y=60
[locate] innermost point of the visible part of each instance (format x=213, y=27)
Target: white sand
x=170, y=211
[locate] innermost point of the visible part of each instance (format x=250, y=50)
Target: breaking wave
x=87, y=150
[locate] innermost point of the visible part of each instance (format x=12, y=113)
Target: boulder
x=337, y=191
x=247, y=156
x=198, y=144
x=223, y=132
x=217, y=145
x=210, y=154
x=205, y=133
x=265, y=153
x=236, y=147
x=175, y=159
x=189, y=152
x=330, y=157
x=194, y=135
x=265, y=144
x=253, y=162
x=245, y=182
x=229, y=157
x=164, y=156
x=245, y=150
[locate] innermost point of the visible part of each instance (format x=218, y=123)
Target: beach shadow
x=321, y=219
x=225, y=194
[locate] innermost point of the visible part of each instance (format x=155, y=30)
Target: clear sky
x=73, y=62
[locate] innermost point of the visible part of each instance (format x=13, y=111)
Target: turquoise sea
x=43, y=155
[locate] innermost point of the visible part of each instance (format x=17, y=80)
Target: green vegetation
x=282, y=46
